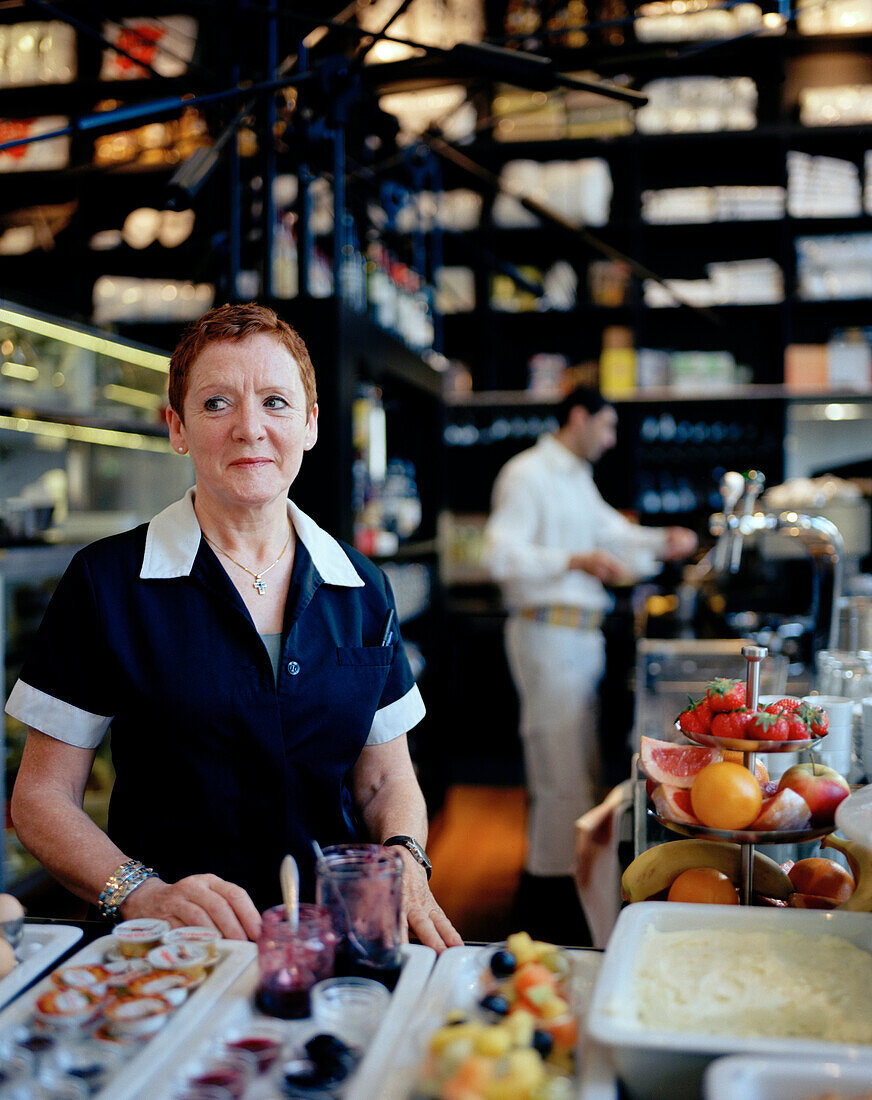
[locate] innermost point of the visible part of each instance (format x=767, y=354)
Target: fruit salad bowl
x=505, y=1017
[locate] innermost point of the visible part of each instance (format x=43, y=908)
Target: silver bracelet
x=120, y=885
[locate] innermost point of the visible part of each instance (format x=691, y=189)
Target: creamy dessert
x=754, y=984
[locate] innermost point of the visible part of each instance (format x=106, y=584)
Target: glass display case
x=83, y=453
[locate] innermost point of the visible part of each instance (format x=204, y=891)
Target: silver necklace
x=258, y=584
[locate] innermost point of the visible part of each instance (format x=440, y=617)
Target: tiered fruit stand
x=748, y=838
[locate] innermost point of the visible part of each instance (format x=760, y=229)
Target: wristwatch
x=411, y=845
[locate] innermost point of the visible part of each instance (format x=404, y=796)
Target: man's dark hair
x=586, y=396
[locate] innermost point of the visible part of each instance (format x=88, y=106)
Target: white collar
x=561, y=456
x=173, y=539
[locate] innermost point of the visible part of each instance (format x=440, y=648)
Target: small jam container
x=90, y=979
x=262, y=1039
x=137, y=1017
x=207, y=937
x=51, y=1086
x=135, y=938
x=15, y=1063
x=122, y=971
x=230, y=1071
x=173, y=985
x=37, y=1043
x=88, y=1061
x=189, y=958
x=67, y=1009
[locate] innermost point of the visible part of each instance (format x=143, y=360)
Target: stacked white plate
x=865, y=746
x=834, y=750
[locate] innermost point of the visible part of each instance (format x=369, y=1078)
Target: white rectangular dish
x=758, y=1078
x=40, y=946
x=454, y=983
x=236, y=1008
x=235, y=956
x=656, y=1064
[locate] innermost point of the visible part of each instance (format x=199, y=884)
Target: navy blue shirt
x=219, y=767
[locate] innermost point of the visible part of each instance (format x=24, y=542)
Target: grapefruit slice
x=673, y=803
x=673, y=764
x=780, y=813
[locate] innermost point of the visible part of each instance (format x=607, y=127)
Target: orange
x=703, y=884
x=736, y=757
x=726, y=796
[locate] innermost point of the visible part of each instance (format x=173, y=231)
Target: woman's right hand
x=203, y=900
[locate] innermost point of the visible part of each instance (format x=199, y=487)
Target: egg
x=10, y=908
x=7, y=959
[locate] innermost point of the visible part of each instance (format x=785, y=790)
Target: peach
x=822, y=877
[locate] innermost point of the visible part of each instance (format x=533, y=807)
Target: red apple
x=821, y=787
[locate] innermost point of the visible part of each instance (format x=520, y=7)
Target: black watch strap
x=411, y=845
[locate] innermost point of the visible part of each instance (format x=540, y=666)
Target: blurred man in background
x=552, y=543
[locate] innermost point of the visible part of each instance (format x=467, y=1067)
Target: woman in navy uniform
x=257, y=690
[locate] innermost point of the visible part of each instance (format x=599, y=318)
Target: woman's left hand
x=422, y=915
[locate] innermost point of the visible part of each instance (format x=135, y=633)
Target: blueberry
x=301, y=1074
x=542, y=1042
x=322, y=1048
x=503, y=963
x=496, y=1003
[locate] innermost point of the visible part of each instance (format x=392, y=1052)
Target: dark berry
x=496, y=1003
x=503, y=963
x=322, y=1048
x=542, y=1042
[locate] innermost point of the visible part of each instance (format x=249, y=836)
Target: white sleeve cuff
x=397, y=718
x=55, y=718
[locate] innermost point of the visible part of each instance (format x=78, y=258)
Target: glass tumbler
x=291, y=961
x=362, y=886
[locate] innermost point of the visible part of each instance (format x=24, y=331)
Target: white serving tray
x=454, y=983
x=40, y=946
x=235, y=957
x=236, y=1007
x=786, y=1078
x=659, y=1063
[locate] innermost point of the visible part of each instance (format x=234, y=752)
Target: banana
x=656, y=869
x=860, y=859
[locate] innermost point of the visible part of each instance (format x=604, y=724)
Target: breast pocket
x=356, y=687
x=365, y=656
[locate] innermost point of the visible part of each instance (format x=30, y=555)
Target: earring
x=181, y=450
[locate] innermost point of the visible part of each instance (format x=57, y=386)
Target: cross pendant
x=259, y=585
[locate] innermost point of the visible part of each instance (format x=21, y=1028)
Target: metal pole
x=753, y=654
x=268, y=222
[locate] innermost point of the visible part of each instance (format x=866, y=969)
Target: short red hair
x=234, y=323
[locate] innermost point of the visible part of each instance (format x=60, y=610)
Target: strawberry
x=766, y=726
x=783, y=706
x=725, y=694
x=817, y=719
x=696, y=718
x=732, y=723
x=798, y=730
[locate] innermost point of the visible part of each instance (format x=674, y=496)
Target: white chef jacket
x=546, y=508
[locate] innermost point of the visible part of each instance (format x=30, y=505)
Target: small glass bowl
x=350, y=1007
